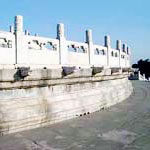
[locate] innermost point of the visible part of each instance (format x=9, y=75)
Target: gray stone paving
x=125, y=126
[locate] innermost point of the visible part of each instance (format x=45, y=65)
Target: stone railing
x=19, y=48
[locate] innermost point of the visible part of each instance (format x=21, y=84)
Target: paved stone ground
x=125, y=126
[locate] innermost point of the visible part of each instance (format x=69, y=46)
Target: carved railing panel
x=77, y=47
x=38, y=45
x=98, y=51
x=5, y=43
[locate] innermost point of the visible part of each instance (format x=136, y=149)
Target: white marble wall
x=32, y=107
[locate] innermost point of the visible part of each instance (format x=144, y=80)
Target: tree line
x=143, y=66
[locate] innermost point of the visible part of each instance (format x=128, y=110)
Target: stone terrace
x=125, y=126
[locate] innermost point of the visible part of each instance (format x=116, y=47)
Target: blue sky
x=127, y=20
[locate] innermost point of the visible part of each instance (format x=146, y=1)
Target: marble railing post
x=129, y=56
x=18, y=24
x=108, y=45
x=118, y=47
x=11, y=29
x=125, y=51
x=26, y=32
x=63, y=51
x=128, y=50
x=139, y=75
x=89, y=41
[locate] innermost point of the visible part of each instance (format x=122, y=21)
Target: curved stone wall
x=49, y=101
